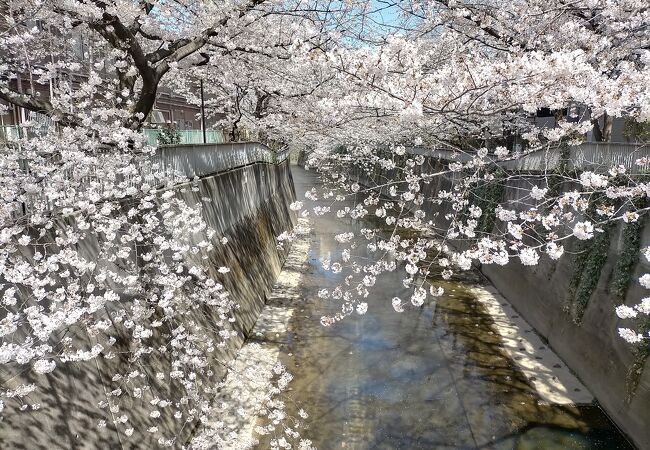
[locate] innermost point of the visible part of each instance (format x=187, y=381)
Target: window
x=156, y=116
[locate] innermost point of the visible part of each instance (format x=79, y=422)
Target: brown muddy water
x=434, y=377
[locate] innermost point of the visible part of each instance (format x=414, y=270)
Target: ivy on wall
x=622, y=276
x=556, y=177
x=555, y=183
x=627, y=259
x=487, y=195
x=589, y=262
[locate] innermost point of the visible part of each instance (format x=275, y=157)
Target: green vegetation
x=621, y=278
x=556, y=176
x=589, y=262
x=487, y=195
x=169, y=136
x=622, y=274
x=636, y=131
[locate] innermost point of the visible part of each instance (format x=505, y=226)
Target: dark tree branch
x=31, y=103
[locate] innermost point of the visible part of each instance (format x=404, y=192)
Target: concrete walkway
x=249, y=376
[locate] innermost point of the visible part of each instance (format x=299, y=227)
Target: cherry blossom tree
x=466, y=78
x=419, y=121
x=103, y=261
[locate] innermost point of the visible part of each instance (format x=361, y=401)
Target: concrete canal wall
x=613, y=371
x=571, y=303
x=245, y=194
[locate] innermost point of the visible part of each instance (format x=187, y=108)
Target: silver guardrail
x=175, y=163
x=596, y=156
x=199, y=160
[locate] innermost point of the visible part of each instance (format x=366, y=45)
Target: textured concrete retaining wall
x=249, y=206
x=592, y=349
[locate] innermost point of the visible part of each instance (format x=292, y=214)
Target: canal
x=435, y=377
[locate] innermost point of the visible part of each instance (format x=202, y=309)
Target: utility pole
x=203, y=113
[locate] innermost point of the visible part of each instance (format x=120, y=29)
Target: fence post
x=203, y=113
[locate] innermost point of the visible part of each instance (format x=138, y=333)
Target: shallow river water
x=434, y=377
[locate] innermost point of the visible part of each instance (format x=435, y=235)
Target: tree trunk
x=608, y=122
x=603, y=133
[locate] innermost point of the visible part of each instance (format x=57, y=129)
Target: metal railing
x=177, y=163
x=200, y=160
x=9, y=133
x=12, y=133
x=596, y=156
x=186, y=136
x=606, y=154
